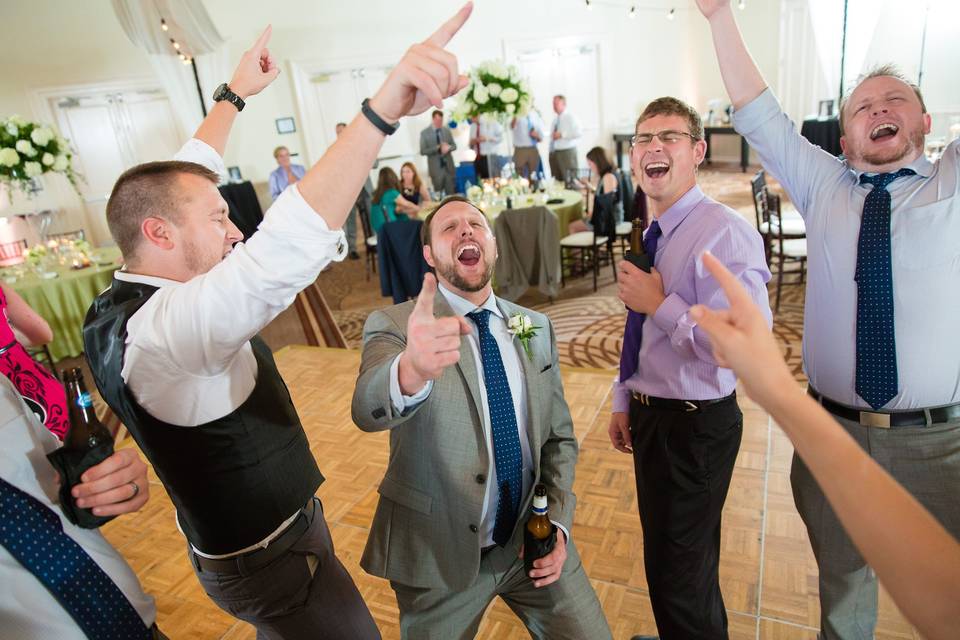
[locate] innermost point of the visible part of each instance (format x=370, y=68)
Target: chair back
x=575, y=175
x=76, y=234
x=363, y=210
x=12, y=251
x=316, y=318
x=758, y=187
x=626, y=194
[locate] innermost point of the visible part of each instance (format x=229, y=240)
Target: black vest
x=233, y=480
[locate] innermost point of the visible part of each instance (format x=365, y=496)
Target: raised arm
x=740, y=74
x=924, y=576
x=33, y=329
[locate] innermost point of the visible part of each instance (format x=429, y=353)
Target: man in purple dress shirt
x=674, y=407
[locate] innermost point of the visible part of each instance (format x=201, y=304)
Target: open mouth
x=656, y=169
x=468, y=254
x=884, y=131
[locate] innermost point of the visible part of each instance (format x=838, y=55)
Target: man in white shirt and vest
x=563, y=140
x=879, y=345
x=174, y=349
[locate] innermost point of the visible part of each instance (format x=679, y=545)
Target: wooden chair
x=791, y=221
x=591, y=246
x=369, y=237
x=575, y=176
x=785, y=249
x=318, y=323
x=11, y=252
x=76, y=234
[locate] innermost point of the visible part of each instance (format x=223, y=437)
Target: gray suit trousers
x=926, y=461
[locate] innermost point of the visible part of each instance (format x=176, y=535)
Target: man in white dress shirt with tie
x=563, y=140
x=527, y=133
x=879, y=345
x=174, y=349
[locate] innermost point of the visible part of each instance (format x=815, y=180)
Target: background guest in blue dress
x=285, y=174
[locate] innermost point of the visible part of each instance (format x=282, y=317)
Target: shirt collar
x=679, y=210
x=921, y=166
x=461, y=306
x=153, y=281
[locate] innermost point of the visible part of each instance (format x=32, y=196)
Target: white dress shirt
x=569, y=130
x=492, y=131
x=518, y=391
x=924, y=228
x=27, y=609
x=188, y=357
x=521, y=130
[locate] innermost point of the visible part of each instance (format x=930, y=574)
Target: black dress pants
x=684, y=462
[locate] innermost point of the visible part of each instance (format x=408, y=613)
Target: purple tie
x=633, y=332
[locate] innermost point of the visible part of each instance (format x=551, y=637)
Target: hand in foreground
x=108, y=488
x=710, y=7
x=424, y=76
x=619, y=432
x=256, y=69
x=741, y=339
x=546, y=570
x=433, y=344
x=640, y=291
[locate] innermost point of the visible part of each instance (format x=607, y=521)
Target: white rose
x=509, y=95
x=18, y=120
x=515, y=324
x=480, y=94
x=47, y=159
x=498, y=69
x=24, y=147
x=12, y=129
x=527, y=323
x=32, y=169
x=9, y=157
x=494, y=89
x=61, y=163
x=41, y=136
x=511, y=108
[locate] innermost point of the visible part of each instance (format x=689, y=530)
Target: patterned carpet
x=589, y=325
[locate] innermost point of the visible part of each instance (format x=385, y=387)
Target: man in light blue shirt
x=285, y=174
x=527, y=133
x=884, y=266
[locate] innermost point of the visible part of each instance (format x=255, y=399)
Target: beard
x=448, y=271
x=914, y=141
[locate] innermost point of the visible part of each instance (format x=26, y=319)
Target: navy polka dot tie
x=503, y=423
x=33, y=534
x=877, y=381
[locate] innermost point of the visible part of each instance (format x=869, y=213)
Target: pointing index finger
x=736, y=294
x=449, y=28
x=262, y=41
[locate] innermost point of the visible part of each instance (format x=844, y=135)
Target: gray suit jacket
x=424, y=532
x=437, y=164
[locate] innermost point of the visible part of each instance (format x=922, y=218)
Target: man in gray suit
x=436, y=142
x=475, y=423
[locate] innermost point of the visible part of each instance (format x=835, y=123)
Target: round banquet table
x=569, y=208
x=63, y=300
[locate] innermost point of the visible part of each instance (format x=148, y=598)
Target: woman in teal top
x=384, y=207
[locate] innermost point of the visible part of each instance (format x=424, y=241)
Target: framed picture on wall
x=825, y=109
x=234, y=173
x=286, y=125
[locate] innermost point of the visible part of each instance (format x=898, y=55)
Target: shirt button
x=481, y=478
x=474, y=528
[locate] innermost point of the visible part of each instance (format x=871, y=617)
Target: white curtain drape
x=189, y=24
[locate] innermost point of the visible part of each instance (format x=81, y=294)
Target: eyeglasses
x=668, y=136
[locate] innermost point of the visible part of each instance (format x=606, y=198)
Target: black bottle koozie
x=641, y=261
x=71, y=465
x=534, y=548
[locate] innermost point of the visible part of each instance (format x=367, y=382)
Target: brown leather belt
x=247, y=563
x=889, y=419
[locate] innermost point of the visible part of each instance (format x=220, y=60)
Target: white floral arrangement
x=28, y=150
x=521, y=326
x=495, y=90
x=475, y=193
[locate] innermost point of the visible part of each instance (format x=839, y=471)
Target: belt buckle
x=871, y=419
x=691, y=406
x=642, y=397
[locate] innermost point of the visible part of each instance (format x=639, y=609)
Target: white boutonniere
x=522, y=328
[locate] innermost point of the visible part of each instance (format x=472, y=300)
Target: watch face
x=221, y=92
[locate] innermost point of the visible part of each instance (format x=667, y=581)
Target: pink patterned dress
x=40, y=389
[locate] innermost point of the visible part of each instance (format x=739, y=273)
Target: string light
x=742, y=5
x=163, y=25
x=633, y=11
x=589, y=6
x=672, y=14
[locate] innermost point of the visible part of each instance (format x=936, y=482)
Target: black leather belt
x=889, y=419
x=249, y=562
x=678, y=405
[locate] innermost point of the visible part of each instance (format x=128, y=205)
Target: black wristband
x=377, y=121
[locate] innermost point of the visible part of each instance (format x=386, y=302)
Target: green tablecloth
x=63, y=301
x=570, y=209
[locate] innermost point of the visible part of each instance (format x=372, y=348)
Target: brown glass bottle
x=637, y=255
x=86, y=431
x=538, y=538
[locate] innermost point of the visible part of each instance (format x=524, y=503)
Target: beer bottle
x=538, y=535
x=637, y=255
x=87, y=443
x=86, y=431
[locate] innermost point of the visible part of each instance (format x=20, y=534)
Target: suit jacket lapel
x=529, y=379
